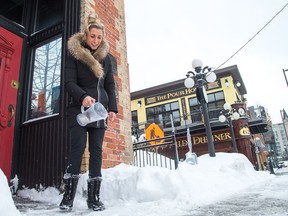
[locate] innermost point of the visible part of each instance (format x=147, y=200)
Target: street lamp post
x=201, y=76
x=270, y=162
x=229, y=114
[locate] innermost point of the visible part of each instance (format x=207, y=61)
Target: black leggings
x=78, y=137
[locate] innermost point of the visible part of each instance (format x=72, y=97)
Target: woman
x=88, y=79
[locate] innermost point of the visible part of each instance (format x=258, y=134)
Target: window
x=46, y=79
x=134, y=117
x=216, y=101
x=219, y=96
x=215, y=105
x=195, y=110
x=46, y=13
x=49, y=13
x=135, y=125
x=161, y=114
x=13, y=10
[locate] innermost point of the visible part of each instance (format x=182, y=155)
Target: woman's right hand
x=88, y=101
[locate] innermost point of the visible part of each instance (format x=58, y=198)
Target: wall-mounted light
x=226, y=83
x=139, y=103
x=238, y=84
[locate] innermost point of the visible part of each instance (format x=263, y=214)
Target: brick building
x=33, y=130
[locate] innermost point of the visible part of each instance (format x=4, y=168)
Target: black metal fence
x=146, y=154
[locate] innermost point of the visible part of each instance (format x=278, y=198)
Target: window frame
x=214, y=106
x=39, y=116
x=161, y=113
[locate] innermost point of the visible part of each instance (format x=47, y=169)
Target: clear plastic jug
x=94, y=113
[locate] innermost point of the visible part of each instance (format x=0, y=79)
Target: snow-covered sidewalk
x=189, y=190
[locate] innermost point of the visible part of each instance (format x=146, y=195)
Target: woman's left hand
x=111, y=116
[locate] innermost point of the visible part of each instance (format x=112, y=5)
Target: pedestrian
x=89, y=78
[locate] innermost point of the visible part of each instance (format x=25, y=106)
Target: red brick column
x=117, y=146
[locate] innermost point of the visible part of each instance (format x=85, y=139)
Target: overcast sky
x=164, y=36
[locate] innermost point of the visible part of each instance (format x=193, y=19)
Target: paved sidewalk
x=254, y=201
x=24, y=205
x=248, y=203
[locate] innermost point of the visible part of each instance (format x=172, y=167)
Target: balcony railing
x=257, y=120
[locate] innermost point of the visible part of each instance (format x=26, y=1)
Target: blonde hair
x=93, y=22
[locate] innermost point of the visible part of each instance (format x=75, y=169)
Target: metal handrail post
x=176, y=157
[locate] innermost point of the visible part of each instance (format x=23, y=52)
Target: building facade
x=173, y=104
x=280, y=139
x=33, y=129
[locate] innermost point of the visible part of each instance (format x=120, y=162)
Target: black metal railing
x=146, y=154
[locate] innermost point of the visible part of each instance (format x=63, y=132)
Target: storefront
x=162, y=103
x=33, y=129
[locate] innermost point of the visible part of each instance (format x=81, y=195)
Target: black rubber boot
x=93, y=200
x=70, y=186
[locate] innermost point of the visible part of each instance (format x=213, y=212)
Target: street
x=260, y=200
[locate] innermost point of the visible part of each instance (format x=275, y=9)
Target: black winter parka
x=88, y=74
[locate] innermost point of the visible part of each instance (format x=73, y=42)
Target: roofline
x=179, y=84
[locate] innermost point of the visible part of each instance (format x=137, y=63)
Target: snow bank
x=213, y=179
x=7, y=206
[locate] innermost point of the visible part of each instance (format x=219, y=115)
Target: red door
x=10, y=57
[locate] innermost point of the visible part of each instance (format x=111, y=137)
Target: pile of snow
x=7, y=206
x=172, y=191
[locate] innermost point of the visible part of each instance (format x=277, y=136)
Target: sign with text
x=179, y=93
x=198, y=139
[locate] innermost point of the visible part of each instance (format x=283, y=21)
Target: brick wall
x=117, y=146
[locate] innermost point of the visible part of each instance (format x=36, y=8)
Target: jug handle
x=82, y=108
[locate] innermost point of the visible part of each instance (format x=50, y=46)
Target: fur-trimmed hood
x=84, y=55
